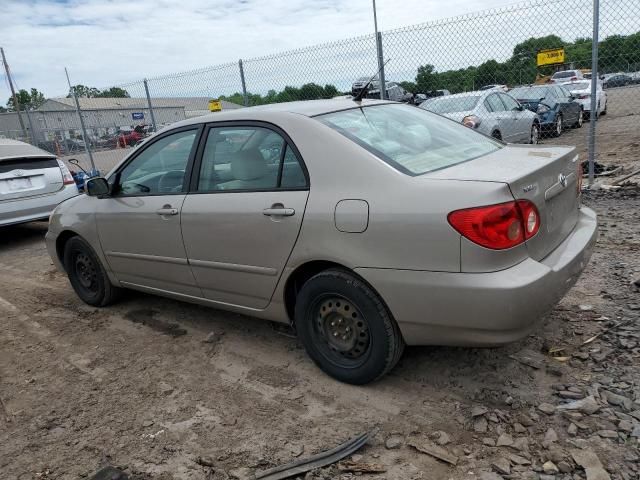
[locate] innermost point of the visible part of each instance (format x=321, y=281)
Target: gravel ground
x=168, y=390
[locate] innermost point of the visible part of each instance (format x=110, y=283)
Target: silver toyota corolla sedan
x=366, y=225
x=492, y=112
x=32, y=183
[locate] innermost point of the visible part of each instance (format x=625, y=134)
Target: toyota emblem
x=562, y=178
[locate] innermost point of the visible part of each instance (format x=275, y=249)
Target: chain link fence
x=486, y=70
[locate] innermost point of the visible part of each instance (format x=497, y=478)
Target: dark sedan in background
x=554, y=104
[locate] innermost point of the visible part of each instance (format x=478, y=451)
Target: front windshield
x=409, y=139
x=451, y=104
x=529, y=92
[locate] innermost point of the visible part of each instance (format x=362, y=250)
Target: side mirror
x=96, y=187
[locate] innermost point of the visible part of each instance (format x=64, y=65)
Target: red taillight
x=471, y=121
x=498, y=227
x=67, y=178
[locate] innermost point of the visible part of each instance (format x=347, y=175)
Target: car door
x=567, y=105
x=242, y=218
x=139, y=223
x=500, y=116
x=520, y=117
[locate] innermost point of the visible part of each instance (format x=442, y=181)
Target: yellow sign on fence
x=551, y=56
x=215, y=105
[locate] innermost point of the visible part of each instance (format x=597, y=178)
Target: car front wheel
x=346, y=328
x=579, y=120
x=558, y=127
x=86, y=274
x=535, y=134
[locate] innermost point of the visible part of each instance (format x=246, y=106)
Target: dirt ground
x=168, y=390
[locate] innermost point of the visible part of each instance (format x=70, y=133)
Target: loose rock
x=550, y=436
x=550, y=468
x=480, y=425
x=587, y=405
x=502, y=465
x=443, y=438
x=547, y=408
x=489, y=442
x=478, y=411
x=504, y=440
x=393, y=442
x=607, y=433
x=519, y=428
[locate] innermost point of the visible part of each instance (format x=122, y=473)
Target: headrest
x=248, y=165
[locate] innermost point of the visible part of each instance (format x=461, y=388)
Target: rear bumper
x=34, y=208
x=483, y=309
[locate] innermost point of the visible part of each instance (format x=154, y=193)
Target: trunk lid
x=29, y=176
x=545, y=175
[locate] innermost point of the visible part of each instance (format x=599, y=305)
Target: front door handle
x=167, y=210
x=279, y=212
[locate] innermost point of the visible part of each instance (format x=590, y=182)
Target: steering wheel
x=171, y=181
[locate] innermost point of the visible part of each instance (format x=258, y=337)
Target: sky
x=106, y=42
x=112, y=42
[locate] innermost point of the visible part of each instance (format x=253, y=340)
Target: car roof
x=307, y=108
x=15, y=149
x=476, y=93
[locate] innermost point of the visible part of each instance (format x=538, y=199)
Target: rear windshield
x=451, y=104
x=409, y=139
x=567, y=74
x=578, y=86
x=9, y=165
x=529, y=93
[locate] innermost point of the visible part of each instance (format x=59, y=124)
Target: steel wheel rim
x=341, y=332
x=534, y=135
x=559, y=125
x=580, y=119
x=86, y=272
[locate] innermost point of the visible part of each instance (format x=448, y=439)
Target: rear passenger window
x=495, y=103
x=246, y=159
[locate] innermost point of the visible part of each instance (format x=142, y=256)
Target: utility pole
x=383, y=85
x=85, y=137
x=16, y=105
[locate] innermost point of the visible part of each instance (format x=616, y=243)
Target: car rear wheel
x=604, y=110
x=86, y=274
x=580, y=120
x=346, y=328
x=497, y=135
x=558, y=127
x=535, y=134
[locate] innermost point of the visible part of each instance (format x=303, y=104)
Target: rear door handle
x=167, y=210
x=279, y=212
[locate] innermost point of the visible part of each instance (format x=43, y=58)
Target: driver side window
x=159, y=168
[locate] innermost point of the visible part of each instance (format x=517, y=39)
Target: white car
x=32, y=183
x=581, y=91
x=567, y=76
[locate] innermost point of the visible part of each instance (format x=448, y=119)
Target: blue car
x=554, y=104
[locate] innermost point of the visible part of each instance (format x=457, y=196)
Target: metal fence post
x=383, y=85
x=244, y=85
x=153, y=118
x=593, y=114
x=84, y=130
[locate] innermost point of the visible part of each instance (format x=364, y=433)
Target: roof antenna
x=363, y=92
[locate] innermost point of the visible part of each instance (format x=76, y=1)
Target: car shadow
x=23, y=234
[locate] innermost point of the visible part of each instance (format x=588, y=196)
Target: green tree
x=31, y=100
x=83, y=91
x=409, y=86
x=426, y=79
x=113, y=92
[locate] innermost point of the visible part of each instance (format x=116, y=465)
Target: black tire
x=534, y=139
x=370, y=343
x=558, y=127
x=87, y=275
x=497, y=135
x=604, y=110
x=580, y=120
